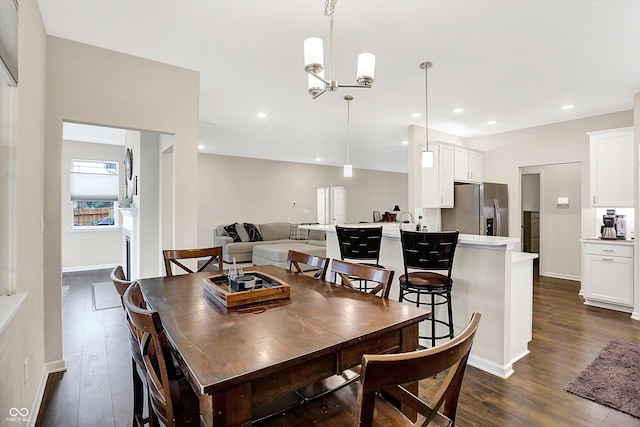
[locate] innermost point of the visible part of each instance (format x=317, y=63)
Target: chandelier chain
x=329, y=7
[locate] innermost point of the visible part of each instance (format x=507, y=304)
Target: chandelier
x=314, y=63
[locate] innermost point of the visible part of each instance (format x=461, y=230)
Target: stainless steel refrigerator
x=478, y=209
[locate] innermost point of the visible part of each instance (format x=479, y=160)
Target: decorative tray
x=265, y=288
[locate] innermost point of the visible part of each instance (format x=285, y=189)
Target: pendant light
x=427, y=156
x=348, y=168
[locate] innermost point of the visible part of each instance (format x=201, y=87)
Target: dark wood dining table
x=237, y=359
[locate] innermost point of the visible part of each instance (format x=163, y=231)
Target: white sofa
x=273, y=233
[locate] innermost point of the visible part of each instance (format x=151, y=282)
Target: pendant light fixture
x=427, y=156
x=348, y=168
x=314, y=62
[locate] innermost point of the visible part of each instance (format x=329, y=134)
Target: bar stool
x=360, y=244
x=429, y=251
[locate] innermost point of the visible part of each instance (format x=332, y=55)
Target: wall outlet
x=26, y=370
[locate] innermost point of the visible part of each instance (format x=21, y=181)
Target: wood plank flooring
x=567, y=335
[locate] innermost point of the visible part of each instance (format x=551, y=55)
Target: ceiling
x=513, y=61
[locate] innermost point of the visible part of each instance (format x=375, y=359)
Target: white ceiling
x=513, y=61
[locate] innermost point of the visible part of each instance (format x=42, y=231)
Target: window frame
x=93, y=228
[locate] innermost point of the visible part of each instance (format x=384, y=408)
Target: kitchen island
x=488, y=277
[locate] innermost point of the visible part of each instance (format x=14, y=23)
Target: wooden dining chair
x=171, y=398
x=348, y=271
x=137, y=365
x=294, y=259
x=362, y=404
x=173, y=256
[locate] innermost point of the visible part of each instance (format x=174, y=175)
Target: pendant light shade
x=347, y=171
x=427, y=156
x=348, y=167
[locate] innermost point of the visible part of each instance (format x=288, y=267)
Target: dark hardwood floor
x=567, y=335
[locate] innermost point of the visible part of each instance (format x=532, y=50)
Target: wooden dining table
x=237, y=359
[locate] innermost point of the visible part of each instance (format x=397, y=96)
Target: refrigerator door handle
x=496, y=215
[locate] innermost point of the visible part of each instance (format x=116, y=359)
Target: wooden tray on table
x=219, y=288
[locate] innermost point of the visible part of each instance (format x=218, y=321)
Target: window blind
x=95, y=187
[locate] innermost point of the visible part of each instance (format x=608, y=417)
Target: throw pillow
x=231, y=232
x=253, y=231
x=242, y=232
x=296, y=233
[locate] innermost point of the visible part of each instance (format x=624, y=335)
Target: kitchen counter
x=489, y=277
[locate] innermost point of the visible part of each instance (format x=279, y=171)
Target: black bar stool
x=429, y=251
x=360, y=244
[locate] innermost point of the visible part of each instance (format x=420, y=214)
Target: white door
x=324, y=214
x=338, y=205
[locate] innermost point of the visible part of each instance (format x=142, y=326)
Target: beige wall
x=236, y=189
x=88, y=249
x=24, y=336
x=565, y=142
x=86, y=84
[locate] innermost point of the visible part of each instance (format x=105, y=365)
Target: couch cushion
x=317, y=235
x=242, y=232
x=275, y=230
x=254, y=232
x=240, y=247
x=296, y=233
x=322, y=243
x=231, y=232
x=278, y=253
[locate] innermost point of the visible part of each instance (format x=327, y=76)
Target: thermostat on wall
x=563, y=201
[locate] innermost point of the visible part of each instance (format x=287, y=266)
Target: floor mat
x=105, y=296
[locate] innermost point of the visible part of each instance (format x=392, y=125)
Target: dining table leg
x=230, y=407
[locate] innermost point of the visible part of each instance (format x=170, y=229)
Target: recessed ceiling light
x=567, y=107
x=200, y=147
x=405, y=142
x=318, y=159
x=458, y=110
x=491, y=122
x=416, y=115
x=262, y=115
x=210, y=123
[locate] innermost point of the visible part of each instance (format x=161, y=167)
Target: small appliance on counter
x=621, y=227
x=608, y=230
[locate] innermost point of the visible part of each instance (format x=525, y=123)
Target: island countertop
x=391, y=230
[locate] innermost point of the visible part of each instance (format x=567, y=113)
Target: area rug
x=105, y=296
x=612, y=379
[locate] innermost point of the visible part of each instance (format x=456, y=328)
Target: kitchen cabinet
x=611, y=168
x=531, y=232
x=467, y=165
x=437, y=181
x=607, y=279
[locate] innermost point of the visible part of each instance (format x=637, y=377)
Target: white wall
x=23, y=337
x=86, y=84
x=236, y=189
x=88, y=248
x=565, y=142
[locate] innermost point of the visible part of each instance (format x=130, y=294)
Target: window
x=8, y=232
x=94, y=192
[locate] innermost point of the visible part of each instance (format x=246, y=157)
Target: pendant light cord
x=426, y=104
x=348, y=98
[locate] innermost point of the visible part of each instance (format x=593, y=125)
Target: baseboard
x=635, y=315
x=503, y=372
x=89, y=267
x=49, y=368
x=561, y=276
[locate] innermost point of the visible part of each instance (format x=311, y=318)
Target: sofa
x=239, y=239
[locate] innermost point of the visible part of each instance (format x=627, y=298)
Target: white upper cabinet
x=467, y=165
x=437, y=181
x=611, y=168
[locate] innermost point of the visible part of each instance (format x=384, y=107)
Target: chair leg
x=138, y=393
x=433, y=322
x=450, y=310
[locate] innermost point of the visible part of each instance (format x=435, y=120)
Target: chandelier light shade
x=314, y=62
x=427, y=156
x=348, y=168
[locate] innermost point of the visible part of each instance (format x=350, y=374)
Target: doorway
x=332, y=202
x=530, y=215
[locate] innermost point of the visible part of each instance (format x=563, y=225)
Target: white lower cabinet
x=608, y=275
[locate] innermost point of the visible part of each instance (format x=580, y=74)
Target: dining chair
x=348, y=271
x=137, y=365
x=173, y=256
x=344, y=272
x=173, y=401
x=429, y=253
x=384, y=377
x=295, y=258
x=362, y=245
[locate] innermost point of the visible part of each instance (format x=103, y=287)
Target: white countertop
x=606, y=241
x=391, y=230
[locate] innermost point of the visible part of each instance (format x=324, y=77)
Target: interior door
x=338, y=205
x=322, y=198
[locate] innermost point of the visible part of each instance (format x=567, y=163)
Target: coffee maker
x=621, y=227
x=608, y=230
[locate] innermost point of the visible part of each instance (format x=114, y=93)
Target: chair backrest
x=359, y=242
x=120, y=282
x=173, y=256
x=428, y=251
x=158, y=361
x=388, y=372
x=295, y=258
x=349, y=270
